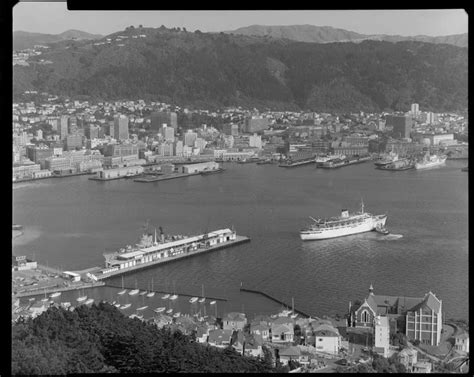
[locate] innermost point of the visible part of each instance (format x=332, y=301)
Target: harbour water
x=74, y=220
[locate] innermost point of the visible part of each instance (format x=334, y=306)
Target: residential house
x=461, y=342
x=37, y=308
x=408, y=357
x=254, y=346
x=327, y=339
x=220, y=338
x=261, y=330
x=290, y=353
x=282, y=333
x=234, y=321
x=422, y=367
x=420, y=318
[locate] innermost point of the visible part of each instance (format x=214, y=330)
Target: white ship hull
x=426, y=165
x=322, y=234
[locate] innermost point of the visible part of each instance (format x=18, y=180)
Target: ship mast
x=361, y=205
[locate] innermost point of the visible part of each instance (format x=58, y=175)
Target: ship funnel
x=344, y=213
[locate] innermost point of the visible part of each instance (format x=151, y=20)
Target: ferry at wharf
x=344, y=225
x=151, y=250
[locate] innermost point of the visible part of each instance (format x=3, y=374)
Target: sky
x=54, y=18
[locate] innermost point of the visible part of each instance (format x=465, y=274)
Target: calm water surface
x=70, y=222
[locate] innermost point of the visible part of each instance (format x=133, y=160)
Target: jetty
x=261, y=293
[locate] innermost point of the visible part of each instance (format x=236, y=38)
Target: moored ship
x=387, y=159
x=400, y=164
x=430, y=162
x=344, y=225
x=151, y=251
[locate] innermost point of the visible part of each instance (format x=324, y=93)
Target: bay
x=68, y=223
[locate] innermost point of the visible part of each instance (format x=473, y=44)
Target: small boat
x=174, y=297
x=114, y=302
x=82, y=298
x=169, y=311
x=55, y=294
x=152, y=292
x=212, y=302
x=31, y=299
x=135, y=316
x=133, y=292
x=90, y=301
x=381, y=230
x=46, y=299
x=142, y=293
x=142, y=308
x=193, y=300
x=117, y=305
x=294, y=316
x=159, y=310
x=66, y=305
x=202, y=299
x=166, y=296
x=123, y=291
x=176, y=315
x=126, y=306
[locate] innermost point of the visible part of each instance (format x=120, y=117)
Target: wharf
x=114, y=178
x=164, y=177
x=297, y=163
x=344, y=163
x=238, y=240
x=276, y=300
x=39, y=291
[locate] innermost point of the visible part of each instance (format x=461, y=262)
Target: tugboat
x=381, y=230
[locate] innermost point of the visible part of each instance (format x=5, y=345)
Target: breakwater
x=300, y=312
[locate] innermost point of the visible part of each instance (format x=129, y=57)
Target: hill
x=100, y=339
x=208, y=70
x=23, y=39
x=327, y=34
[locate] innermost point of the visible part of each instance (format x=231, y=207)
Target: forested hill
x=100, y=339
x=209, y=69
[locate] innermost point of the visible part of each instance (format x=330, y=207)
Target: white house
x=462, y=342
x=327, y=339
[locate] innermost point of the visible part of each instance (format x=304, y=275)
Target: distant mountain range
x=328, y=34
x=217, y=69
x=24, y=39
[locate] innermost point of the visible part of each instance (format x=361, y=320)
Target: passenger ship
x=344, y=225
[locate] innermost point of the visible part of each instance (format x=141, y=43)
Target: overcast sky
x=54, y=18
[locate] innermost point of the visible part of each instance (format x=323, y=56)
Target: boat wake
x=391, y=237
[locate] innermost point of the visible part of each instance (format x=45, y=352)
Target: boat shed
x=72, y=275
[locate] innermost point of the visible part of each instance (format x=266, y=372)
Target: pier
x=47, y=291
x=163, y=177
x=238, y=240
x=276, y=300
x=164, y=292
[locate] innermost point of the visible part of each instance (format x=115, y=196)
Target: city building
x=63, y=127
x=255, y=124
x=121, y=127
x=74, y=141
x=158, y=118
x=91, y=131
x=72, y=125
x=415, y=109
x=21, y=263
x=220, y=338
x=401, y=125
x=121, y=150
x=230, y=129
x=381, y=336
x=39, y=153
x=255, y=141
x=199, y=167
x=189, y=138
x=167, y=132
x=120, y=172
x=422, y=367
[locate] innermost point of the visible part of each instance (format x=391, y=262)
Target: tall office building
x=401, y=125
x=231, y=129
x=73, y=141
x=415, y=109
x=72, y=125
x=190, y=138
x=63, y=127
x=158, y=118
x=167, y=132
x=252, y=125
x=121, y=127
